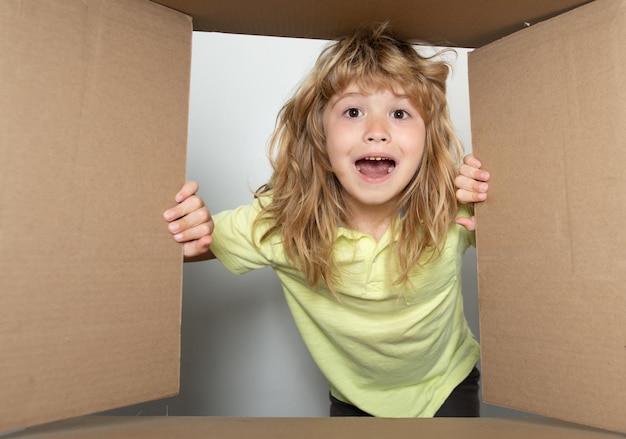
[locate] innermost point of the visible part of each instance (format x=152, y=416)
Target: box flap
x=548, y=107
x=95, y=427
x=442, y=22
x=93, y=120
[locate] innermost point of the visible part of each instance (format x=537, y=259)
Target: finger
x=195, y=233
x=188, y=189
x=471, y=185
x=197, y=247
x=185, y=207
x=471, y=160
x=475, y=173
x=466, y=196
x=190, y=220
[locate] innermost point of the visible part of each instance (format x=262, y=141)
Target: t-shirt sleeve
x=236, y=244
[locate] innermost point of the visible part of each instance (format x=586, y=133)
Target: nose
x=377, y=131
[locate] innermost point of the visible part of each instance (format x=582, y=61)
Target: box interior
x=108, y=151
x=441, y=22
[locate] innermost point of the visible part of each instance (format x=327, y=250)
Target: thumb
x=468, y=223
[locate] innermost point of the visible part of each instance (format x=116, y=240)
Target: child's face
x=375, y=142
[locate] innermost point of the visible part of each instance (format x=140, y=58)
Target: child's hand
x=191, y=224
x=472, y=187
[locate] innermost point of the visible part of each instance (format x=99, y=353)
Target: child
x=361, y=222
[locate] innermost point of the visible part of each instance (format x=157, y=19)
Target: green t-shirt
x=392, y=351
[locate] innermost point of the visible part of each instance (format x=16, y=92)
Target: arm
x=191, y=224
x=472, y=187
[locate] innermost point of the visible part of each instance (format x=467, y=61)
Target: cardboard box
x=93, y=126
x=548, y=109
x=441, y=22
x=93, y=102
x=309, y=428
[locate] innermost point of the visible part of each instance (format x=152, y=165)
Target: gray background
x=241, y=353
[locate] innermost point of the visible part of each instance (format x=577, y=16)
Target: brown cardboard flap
x=310, y=428
x=548, y=108
x=93, y=120
x=449, y=22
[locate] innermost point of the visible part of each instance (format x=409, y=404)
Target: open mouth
x=375, y=167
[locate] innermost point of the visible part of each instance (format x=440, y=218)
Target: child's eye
x=400, y=114
x=353, y=112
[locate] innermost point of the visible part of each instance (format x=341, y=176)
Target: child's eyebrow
x=343, y=95
x=403, y=97
x=338, y=97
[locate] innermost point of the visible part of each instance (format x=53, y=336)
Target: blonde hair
x=305, y=203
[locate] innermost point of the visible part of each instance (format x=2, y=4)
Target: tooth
x=391, y=168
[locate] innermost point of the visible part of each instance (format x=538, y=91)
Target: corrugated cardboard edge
x=548, y=110
x=311, y=428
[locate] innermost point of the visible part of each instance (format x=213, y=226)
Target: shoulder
x=244, y=213
x=236, y=238
x=242, y=222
